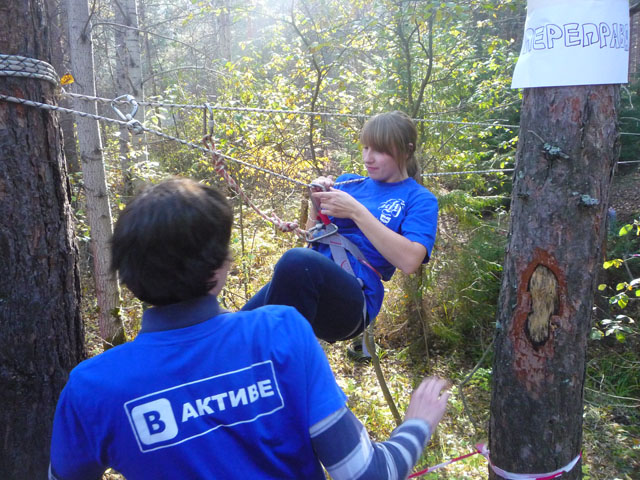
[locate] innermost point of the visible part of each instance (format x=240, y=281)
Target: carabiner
x=323, y=227
x=132, y=124
x=208, y=121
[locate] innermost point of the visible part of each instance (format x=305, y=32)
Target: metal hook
x=132, y=124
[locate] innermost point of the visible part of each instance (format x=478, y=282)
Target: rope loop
x=135, y=126
x=19, y=66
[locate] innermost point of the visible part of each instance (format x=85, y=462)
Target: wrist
x=360, y=213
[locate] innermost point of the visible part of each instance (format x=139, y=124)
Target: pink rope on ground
x=484, y=451
x=444, y=464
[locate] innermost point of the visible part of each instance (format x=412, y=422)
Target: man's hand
x=429, y=401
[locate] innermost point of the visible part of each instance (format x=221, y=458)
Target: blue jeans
x=327, y=296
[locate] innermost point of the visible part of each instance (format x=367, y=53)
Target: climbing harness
x=326, y=232
x=339, y=245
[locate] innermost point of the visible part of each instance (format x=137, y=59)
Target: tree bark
x=41, y=334
x=59, y=60
x=564, y=166
x=223, y=20
x=93, y=173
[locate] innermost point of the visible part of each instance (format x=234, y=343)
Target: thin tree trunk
x=41, y=334
x=566, y=155
x=129, y=81
x=224, y=30
x=95, y=185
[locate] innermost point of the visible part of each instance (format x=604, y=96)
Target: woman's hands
x=429, y=401
x=326, y=182
x=337, y=203
x=401, y=252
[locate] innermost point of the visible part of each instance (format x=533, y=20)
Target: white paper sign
x=574, y=42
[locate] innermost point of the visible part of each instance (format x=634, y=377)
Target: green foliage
x=630, y=121
x=463, y=282
x=626, y=289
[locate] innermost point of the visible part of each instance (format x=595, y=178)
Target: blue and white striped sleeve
x=344, y=448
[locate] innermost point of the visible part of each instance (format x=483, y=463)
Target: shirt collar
x=180, y=315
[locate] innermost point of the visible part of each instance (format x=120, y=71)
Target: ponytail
x=413, y=170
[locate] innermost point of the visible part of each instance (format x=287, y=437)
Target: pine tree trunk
x=59, y=60
x=41, y=334
x=93, y=173
x=566, y=155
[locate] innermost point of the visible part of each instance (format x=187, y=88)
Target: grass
x=611, y=438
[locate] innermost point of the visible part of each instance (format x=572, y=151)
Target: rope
x=25, y=67
x=484, y=451
x=491, y=170
x=138, y=127
x=219, y=167
x=359, y=116
x=443, y=464
x=46, y=106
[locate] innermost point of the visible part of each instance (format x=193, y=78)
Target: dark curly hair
x=170, y=240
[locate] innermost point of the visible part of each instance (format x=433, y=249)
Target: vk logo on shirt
x=174, y=415
x=154, y=421
x=390, y=209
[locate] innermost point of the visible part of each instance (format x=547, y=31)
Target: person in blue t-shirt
x=203, y=393
x=388, y=216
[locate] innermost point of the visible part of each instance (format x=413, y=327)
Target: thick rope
x=25, y=67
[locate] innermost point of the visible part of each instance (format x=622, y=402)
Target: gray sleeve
x=344, y=448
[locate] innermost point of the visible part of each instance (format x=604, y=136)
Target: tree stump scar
x=541, y=309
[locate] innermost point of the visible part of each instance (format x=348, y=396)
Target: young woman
x=388, y=216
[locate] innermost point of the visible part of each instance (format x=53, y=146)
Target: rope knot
x=282, y=225
x=135, y=126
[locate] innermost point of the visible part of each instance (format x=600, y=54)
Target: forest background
x=447, y=64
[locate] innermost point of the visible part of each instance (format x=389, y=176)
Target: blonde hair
x=393, y=133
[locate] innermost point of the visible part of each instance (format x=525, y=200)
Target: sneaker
x=355, y=353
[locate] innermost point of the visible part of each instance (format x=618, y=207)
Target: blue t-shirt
x=231, y=396
x=405, y=207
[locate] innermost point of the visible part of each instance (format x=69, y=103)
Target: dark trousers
x=327, y=296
